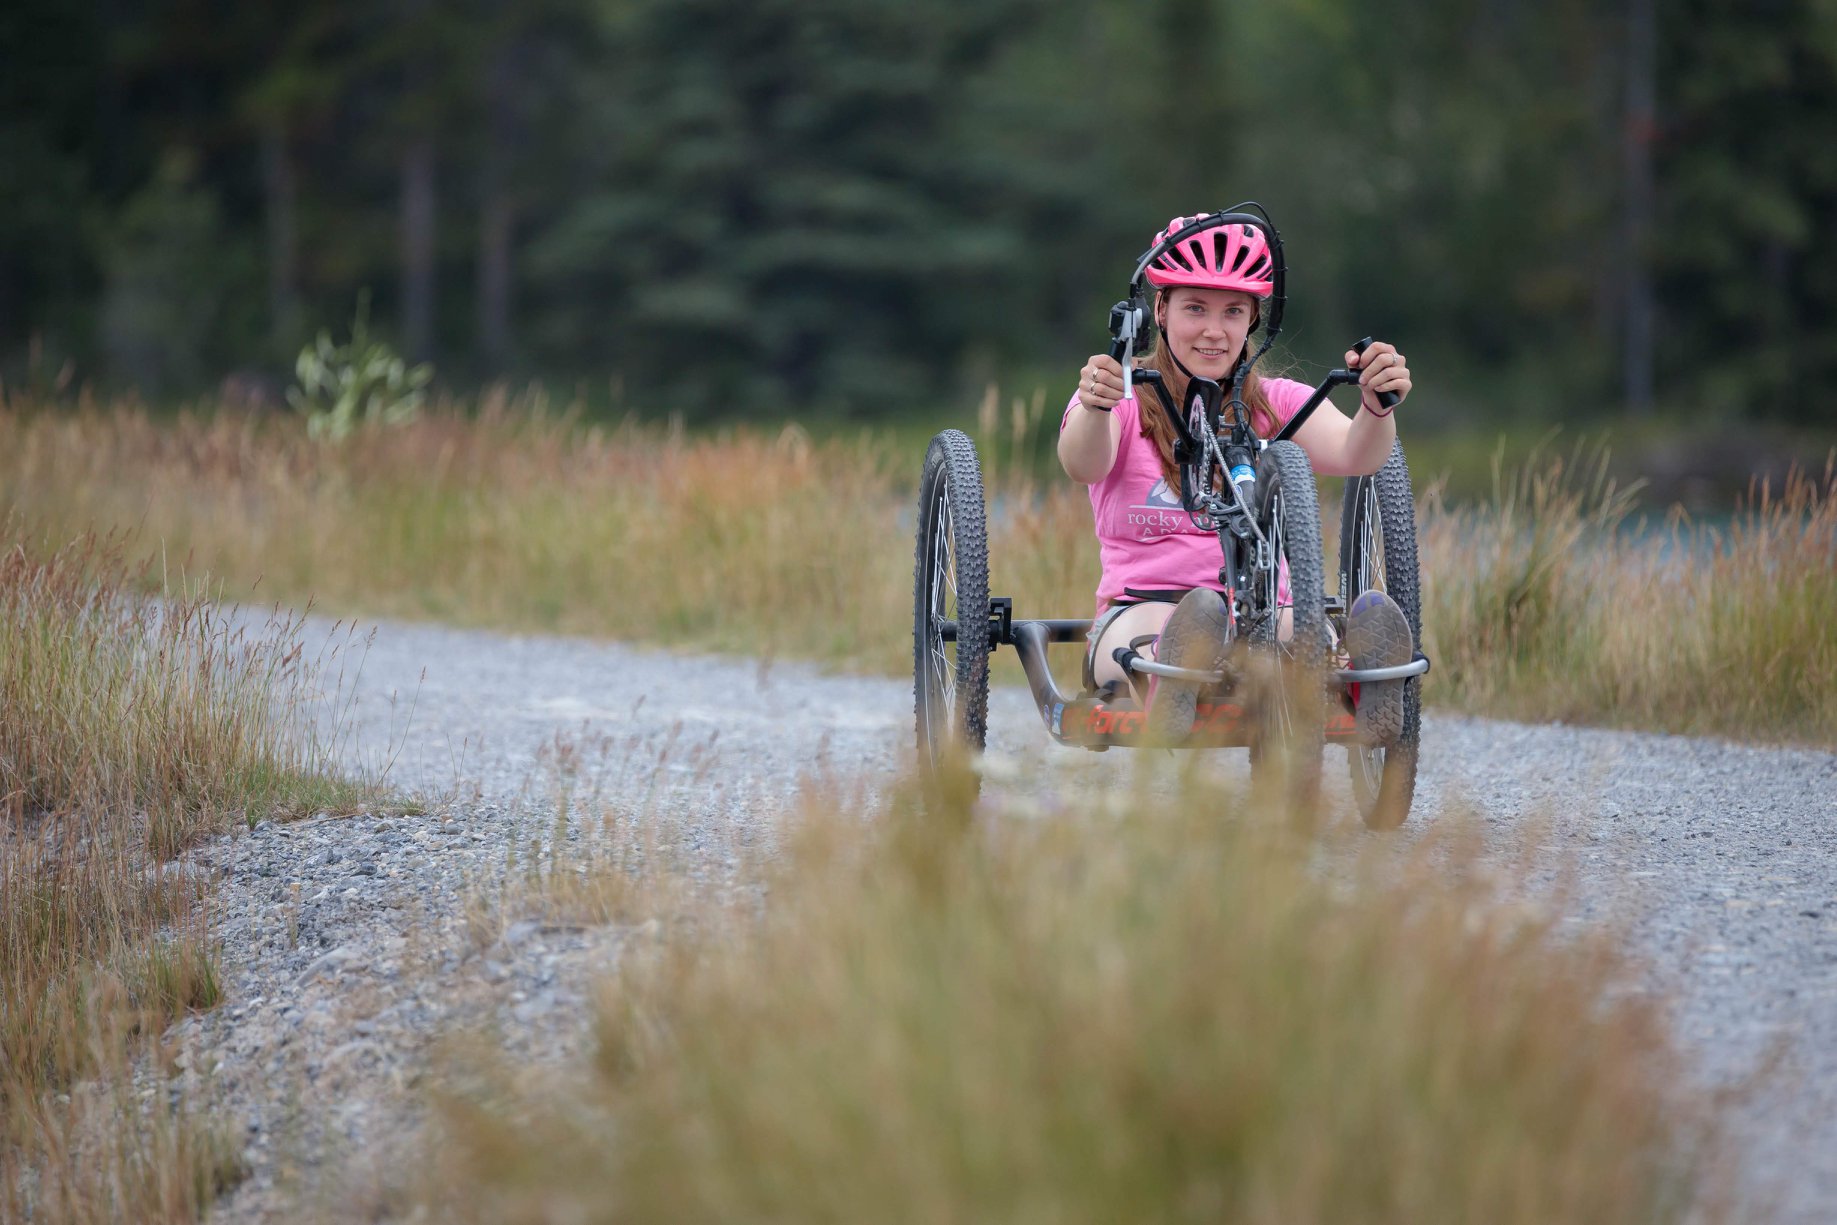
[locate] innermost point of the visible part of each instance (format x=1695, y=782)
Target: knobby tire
x=1291, y=711
x=950, y=691
x=1378, y=549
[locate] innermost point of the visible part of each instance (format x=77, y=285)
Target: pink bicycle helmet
x=1224, y=257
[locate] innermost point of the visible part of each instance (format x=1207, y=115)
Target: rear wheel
x=1289, y=633
x=950, y=673
x=1378, y=552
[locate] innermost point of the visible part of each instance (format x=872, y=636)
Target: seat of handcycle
x=1118, y=694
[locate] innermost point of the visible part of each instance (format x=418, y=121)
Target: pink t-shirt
x=1145, y=539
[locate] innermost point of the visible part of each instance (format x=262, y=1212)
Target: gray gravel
x=352, y=944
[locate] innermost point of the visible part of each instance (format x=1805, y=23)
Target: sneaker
x=1195, y=636
x=1378, y=636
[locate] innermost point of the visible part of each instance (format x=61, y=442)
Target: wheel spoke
x=1371, y=543
x=1369, y=576
x=950, y=556
x=946, y=671
x=944, y=607
x=1284, y=651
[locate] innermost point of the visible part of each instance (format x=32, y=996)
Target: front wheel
x=1288, y=629
x=950, y=617
x=1377, y=549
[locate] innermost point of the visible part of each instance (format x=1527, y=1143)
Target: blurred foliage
x=361, y=382
x=171, y=276
x=868, y=205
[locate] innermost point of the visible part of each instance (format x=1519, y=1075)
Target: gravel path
x=352, y=944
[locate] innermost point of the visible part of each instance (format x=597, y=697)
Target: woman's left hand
x=1381, y=368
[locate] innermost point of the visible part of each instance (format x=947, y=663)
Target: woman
x=1208, y=291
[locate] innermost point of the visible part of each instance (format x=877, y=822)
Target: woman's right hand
x=1100, y=382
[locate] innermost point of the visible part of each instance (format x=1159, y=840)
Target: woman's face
x=1205, y=328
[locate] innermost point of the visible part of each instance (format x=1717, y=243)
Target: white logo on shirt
x=1160, y=514
x=1161, y=497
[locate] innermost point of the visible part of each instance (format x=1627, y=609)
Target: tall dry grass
x=1546, y=604
x=1539, y=604
x=128, y=728
x=612, y=847
x=1098, y=1015
x=513, y=517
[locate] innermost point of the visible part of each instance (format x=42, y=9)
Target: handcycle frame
x=1088, y=720
x=1234, y=483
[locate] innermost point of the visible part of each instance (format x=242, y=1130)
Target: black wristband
x=1096, y=408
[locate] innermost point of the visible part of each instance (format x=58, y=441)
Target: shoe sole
x=1378, y=636
x=1185, y=643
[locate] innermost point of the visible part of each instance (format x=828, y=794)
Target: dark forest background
x=863, y=207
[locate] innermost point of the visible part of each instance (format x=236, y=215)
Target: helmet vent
x=1209, y=252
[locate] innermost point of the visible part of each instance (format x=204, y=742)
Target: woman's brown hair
x=1158, y=427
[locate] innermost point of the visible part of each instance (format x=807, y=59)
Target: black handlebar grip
x=1387, y=400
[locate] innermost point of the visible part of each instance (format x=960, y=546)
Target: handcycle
x=1280, y=694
